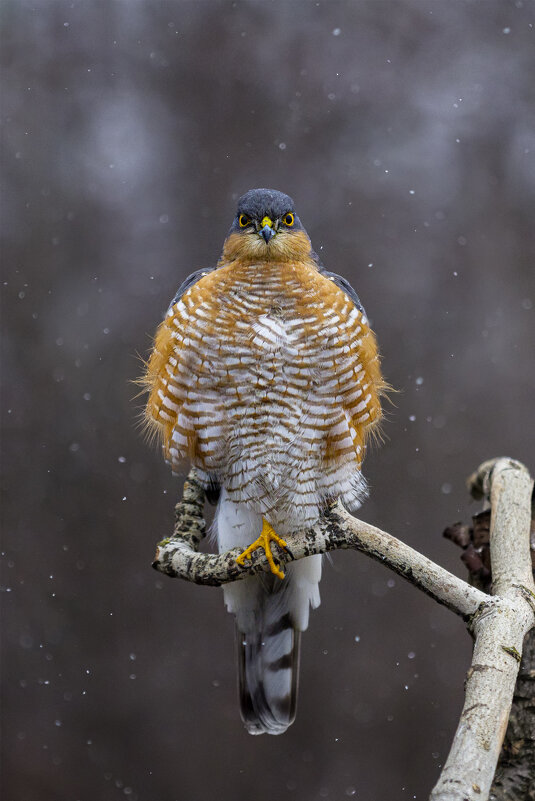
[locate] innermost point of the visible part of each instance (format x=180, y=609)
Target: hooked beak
x=266, y=232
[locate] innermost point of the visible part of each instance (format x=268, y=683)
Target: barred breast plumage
x=266, y=376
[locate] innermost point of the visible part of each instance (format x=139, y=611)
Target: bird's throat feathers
x=288, y=246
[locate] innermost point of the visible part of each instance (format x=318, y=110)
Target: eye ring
x=244, y=221
x=288, y=219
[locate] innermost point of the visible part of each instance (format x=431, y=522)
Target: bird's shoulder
x=189, y=282
x=343, y=284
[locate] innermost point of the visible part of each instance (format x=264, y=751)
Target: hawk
x=265, y=375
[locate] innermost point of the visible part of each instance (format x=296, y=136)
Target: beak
x=266, y=232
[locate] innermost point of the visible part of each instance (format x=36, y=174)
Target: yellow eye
x=244, y=221
x=288, y=220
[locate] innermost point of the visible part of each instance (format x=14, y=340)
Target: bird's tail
x=268, y=671
x=270, y=615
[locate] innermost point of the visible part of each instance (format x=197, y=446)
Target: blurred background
x=405, y=131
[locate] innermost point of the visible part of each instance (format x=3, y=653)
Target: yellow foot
x=264, y=541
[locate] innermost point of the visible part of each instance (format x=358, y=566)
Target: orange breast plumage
x=266, y=376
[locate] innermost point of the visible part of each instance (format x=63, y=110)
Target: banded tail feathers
x=270, y=615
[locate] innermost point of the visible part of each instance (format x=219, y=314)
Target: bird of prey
x=265, y=375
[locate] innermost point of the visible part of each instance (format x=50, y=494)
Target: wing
x=344, y=285
x=188, y=283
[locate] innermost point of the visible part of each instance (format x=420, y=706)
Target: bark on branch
x=514, y=779
x=499, y=622
x=499, y=627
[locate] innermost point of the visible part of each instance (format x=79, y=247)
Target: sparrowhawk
x=265, y=375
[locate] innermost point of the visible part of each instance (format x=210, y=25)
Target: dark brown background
x=405, y=132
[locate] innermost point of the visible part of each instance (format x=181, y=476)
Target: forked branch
x=499, y=622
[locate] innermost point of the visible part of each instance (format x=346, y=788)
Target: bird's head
x=266, y=227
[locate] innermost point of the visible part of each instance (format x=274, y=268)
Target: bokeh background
x=405, y=131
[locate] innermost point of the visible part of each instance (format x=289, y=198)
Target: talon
x=263, y=541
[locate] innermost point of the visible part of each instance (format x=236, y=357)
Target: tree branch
x=177, y=556
x=514, y=777
x=499, y=627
